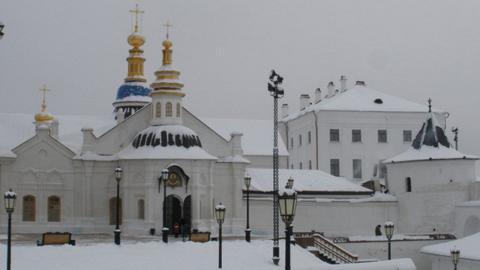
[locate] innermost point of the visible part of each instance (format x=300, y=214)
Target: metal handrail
x=332, y=250
x=328, y=248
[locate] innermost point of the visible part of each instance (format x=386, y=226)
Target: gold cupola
x=135, y=59
x=43, y=115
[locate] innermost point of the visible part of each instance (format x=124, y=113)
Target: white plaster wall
x=335, y=218
x=266, y=162
x=369, y=150
x=437, y=186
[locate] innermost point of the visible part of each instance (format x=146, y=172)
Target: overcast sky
x=225, y=50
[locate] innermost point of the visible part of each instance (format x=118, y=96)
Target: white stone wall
x=437, y=186
x=467, y=219
x=332, y=218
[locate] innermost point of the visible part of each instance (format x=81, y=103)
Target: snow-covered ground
x=237, y=254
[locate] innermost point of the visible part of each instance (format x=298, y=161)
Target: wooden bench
x=56, y=238
x=200, y=237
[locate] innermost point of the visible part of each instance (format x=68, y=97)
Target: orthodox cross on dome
x=429, y=105
x=167, y=26
x=137, y=12
x=44, y=89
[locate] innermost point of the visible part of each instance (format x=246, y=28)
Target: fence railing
x=325, y=247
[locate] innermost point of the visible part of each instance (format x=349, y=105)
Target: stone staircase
x=324, y=248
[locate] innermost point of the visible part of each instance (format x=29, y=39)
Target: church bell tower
x=167, y=92
x=133, y=94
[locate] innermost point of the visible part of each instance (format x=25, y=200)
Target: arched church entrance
x=173, y=211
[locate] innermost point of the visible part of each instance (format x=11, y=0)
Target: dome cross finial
x=44, y=89
x=137, y=12
x=167, y=26
x=429, y=105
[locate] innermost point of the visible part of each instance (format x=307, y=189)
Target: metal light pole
x=220, y=216
x=1, y=30
x=117, y=232
x=455, y=138
x=288, y=204
x=455, y=253
x=165, y=228
x=247, y=180
x=9, y=198
x=276, y=92
x=389, y=227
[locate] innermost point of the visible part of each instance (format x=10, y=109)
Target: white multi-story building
x=347, y=132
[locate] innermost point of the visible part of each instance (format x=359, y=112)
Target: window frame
x=379, y=136
x=358, y=138
x=334, y=135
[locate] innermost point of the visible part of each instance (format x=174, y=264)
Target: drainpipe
x=316, y=138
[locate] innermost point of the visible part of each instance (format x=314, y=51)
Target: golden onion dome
x=43, y=117
x=167, y=43
x=136, y=40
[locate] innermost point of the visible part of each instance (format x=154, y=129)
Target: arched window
x=113, y=212
x=168, y=109
x=54, y=209
x=141, y=209
x=178, y=109
x=28, y=208
x=158, y=110
x=408, y=184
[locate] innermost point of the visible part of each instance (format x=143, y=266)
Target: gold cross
x=167, y=25
x=136, y=11
x=44, y=89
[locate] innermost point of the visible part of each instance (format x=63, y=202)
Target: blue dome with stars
x=132, y=89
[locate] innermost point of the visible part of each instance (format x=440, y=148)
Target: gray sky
x=225, y=50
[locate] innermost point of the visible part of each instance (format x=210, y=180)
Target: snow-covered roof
x=257, y=136
x=431, y=143
x=361, y=98
x=468, y=247
x=305, y=181
x=16, y=128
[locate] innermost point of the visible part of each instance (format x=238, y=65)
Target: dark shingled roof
x=430, y=134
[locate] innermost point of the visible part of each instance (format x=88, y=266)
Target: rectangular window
x=291, y=143
x=356, y=135
x=300, y=165
x=335, y=167
x=408, y=184
x=357, y=169
x=309, y=137
x=291, y=166
x=382, y=135
x=334, y=135
x=407, y=136
x=300, y=140
x=309, y=164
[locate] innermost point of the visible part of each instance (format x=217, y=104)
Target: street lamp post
x=276, y=92
x=247, y=180
x=220, y=216
x=389, y=227
x=165, y=228
x=288, y=204
x=455, y=253
x=1, y=30
x=9, y=198
x=117, y=232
